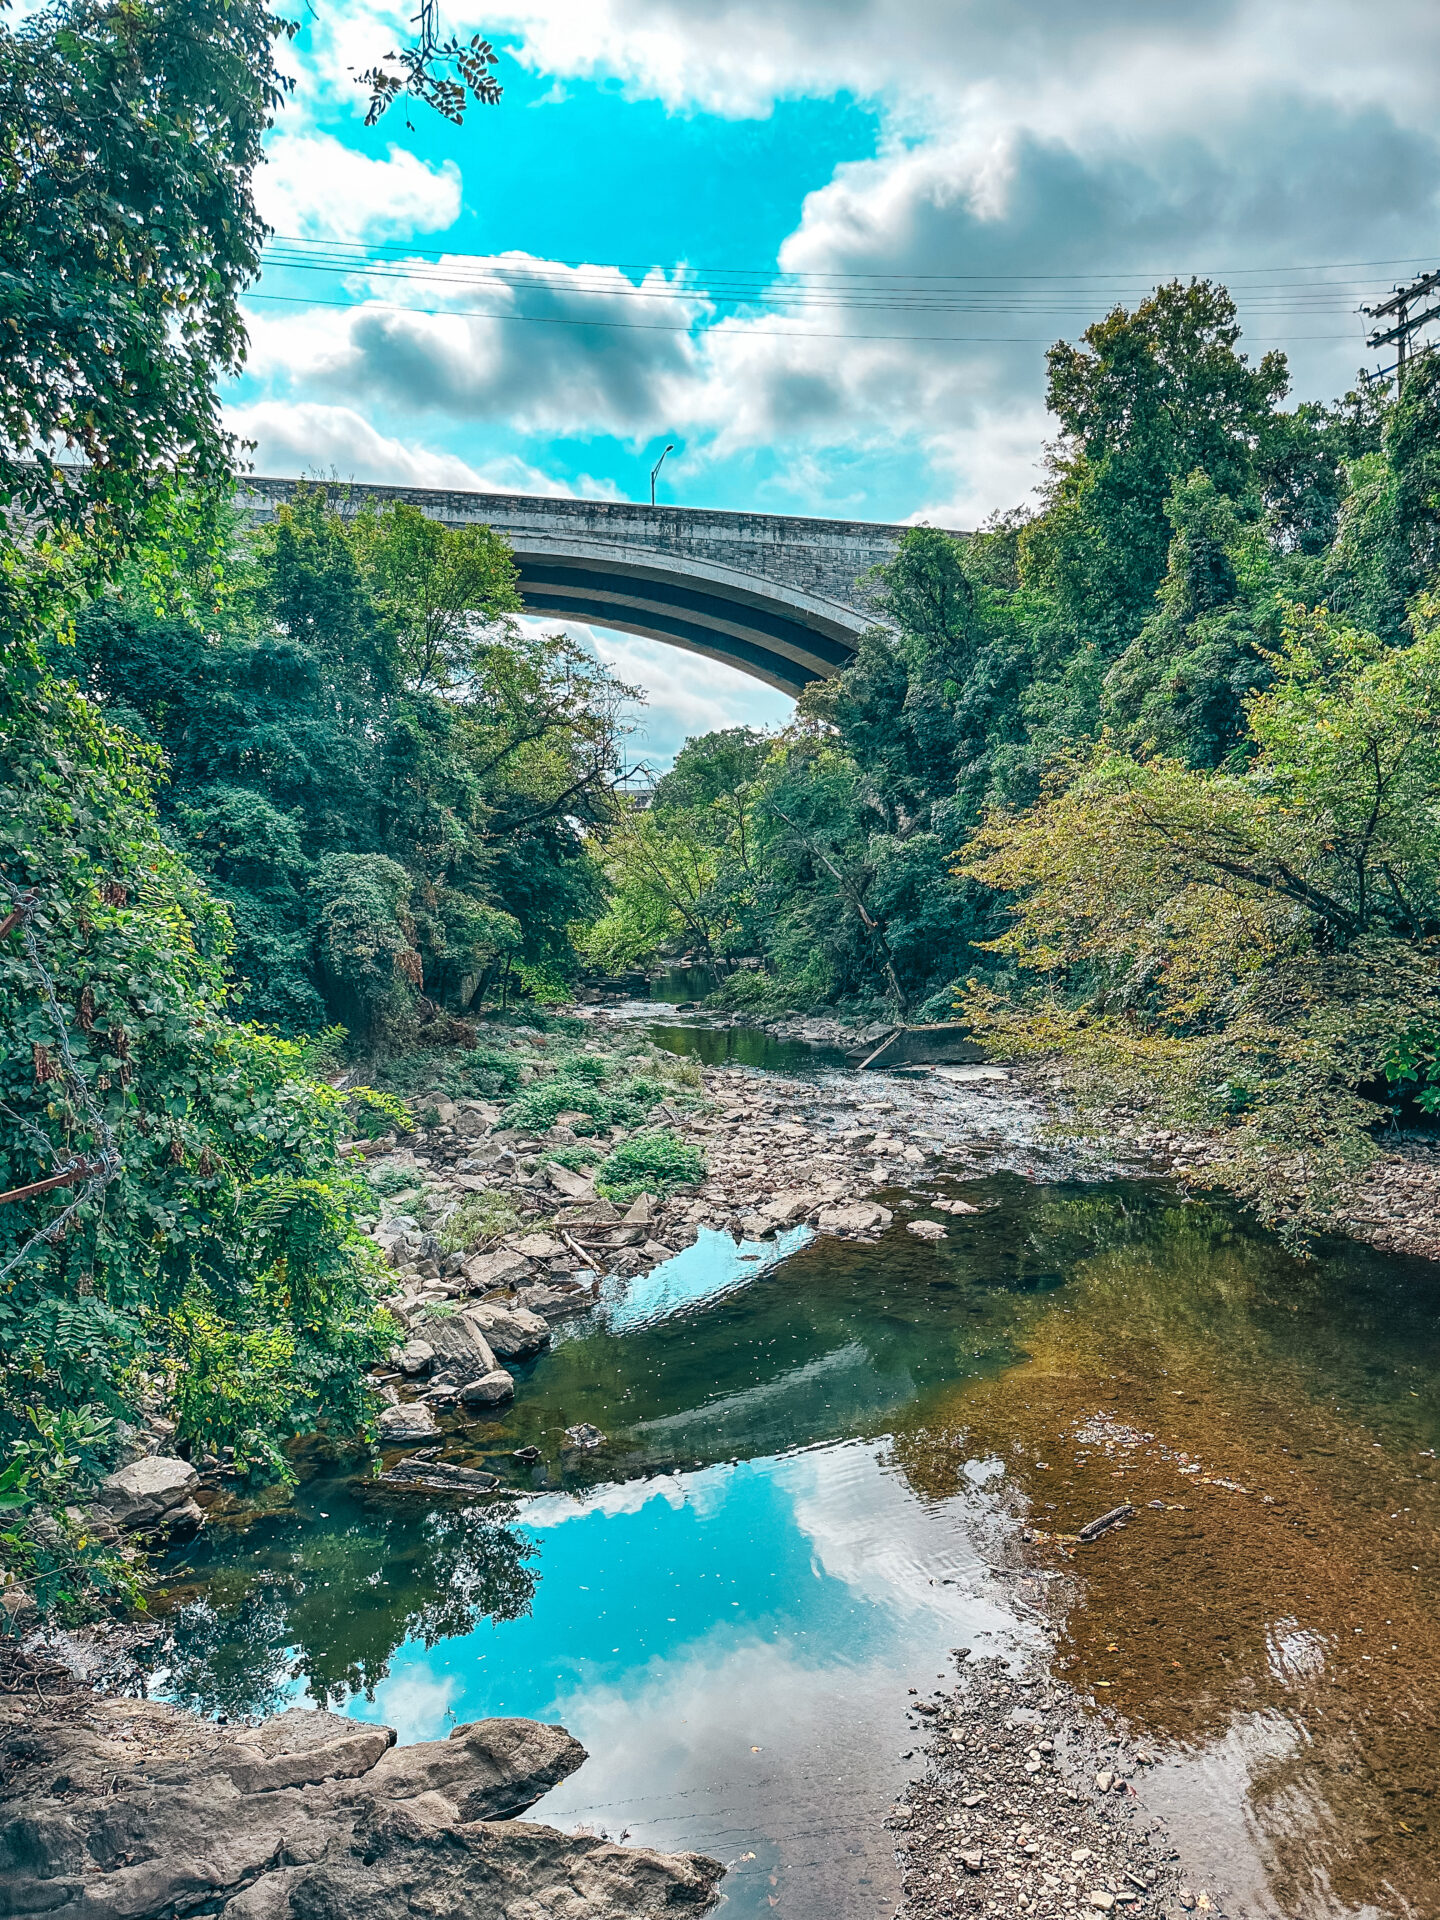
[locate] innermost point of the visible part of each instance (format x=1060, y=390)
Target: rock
x=409, y=1422
x=301, y=1748
x=973, y=1862
x=147, y=1492
x=485, y=1270
x=444, y=1113
x=416, y=1356
x=18, y=1611
x=925, y=1229
x=640, y=1212
x=457, y=1339
x=786, y=1208
x=754, y=1226
x=654, y=1251
x=490, y=1390
x=1104, y=1782
x=860, y=1216
x=514, y=1333
x=556, y=1301
x=913, y=1156
x=437, y=1476
x=594, y=1213
x=536, y=1246
x=1100, y=1898
x=310, y=1815
x=573, y=1185
x=585, y=1436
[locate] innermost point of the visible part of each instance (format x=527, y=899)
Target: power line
x=1406, y=324
x=408, y=249
x=657, y=326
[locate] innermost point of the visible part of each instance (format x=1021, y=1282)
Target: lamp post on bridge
x=656, y=468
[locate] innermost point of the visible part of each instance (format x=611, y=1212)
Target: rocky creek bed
x=1035, y=1799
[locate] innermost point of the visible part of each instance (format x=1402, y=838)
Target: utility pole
x=1405, y=323
x=671, y=448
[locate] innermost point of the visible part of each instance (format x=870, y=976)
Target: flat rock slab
x=133, y=1810
x=410, y=1422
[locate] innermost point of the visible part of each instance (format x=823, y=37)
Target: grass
x=655, y=1162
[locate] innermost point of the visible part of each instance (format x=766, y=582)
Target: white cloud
x=314, y=187
x=306, y=438
x=684, y=694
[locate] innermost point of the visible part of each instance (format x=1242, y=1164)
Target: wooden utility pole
x=1405, y=323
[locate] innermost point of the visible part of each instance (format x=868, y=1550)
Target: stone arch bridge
x=782, y=598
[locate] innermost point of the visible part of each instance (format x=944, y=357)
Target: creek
x=817, y=1452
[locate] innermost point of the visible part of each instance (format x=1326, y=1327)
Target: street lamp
x=656, y=468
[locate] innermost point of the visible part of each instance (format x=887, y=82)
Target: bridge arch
x=782, y=598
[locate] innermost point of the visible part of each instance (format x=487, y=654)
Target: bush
x=656, y=1162
x=479, y=1217
x=576, y=1158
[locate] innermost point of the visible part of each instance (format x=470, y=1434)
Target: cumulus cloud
x=314, y=187
x=293, y=439
x=932, y=56
x=1037, y=164
x=549, y=347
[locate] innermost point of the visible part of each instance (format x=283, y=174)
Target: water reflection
x=807, y=1462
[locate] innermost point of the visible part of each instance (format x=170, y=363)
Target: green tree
x=128, y=137
x=438, y=588
x=1150, y=397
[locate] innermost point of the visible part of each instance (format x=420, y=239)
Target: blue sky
x=820, y=245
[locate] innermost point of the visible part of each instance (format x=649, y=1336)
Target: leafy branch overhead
x=419, y=72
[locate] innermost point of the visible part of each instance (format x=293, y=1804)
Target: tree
x=1150, y=397
x=438, y=588
x=1246, y=949
x=1181, y=685
x=128, y=137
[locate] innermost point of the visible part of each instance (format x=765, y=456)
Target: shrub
x=479, y=1217
x=655, y=1162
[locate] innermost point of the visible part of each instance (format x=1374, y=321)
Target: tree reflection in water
x=291, y=1618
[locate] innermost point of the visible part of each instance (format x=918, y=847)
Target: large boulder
x=512, y=1332
x=459, y=1342
x=149, y=1494
x=485, y=1270
x=134, y=1810
x=490, y=1390
x=412, y=1421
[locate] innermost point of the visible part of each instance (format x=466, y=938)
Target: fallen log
x=1093, y=1529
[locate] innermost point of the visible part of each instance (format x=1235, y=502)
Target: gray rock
x=143, y=1494
x=458, y=1341
x=640, y=1212
x=416, y=1356
x=513, y=1333
x=786, y=1208
x=498, y=1269
x=574, y=1186
x=135, y=1810
x=585, y=1436
x=490, y=1390
x=925, y=1229
x=861, y=1216
x=410, y=1422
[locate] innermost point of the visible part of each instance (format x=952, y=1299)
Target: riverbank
x=1042, y=1349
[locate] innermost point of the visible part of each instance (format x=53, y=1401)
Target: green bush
x=576, y=1158
x=655, y=1162
x=479, y=1217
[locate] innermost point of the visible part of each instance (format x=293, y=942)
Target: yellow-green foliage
x=1241, y=949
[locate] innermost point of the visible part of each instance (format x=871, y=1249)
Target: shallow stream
x=817, y=1451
